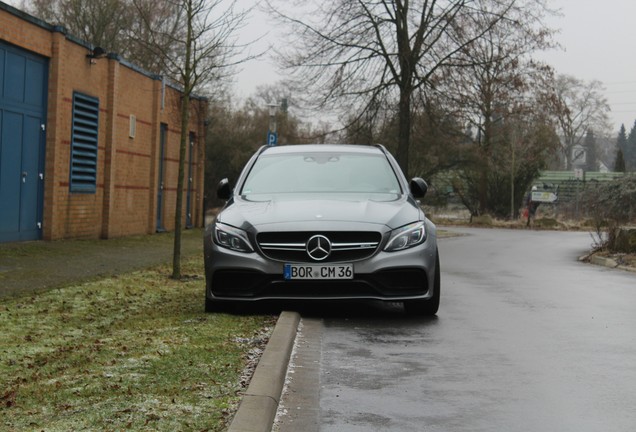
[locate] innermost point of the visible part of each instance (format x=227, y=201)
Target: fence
x=571, y=191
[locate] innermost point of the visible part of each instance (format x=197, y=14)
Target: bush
x=546, y=223
x=483, y=220
x=612, y=205
x=626, y=240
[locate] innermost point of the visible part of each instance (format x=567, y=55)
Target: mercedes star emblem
x=318, y=247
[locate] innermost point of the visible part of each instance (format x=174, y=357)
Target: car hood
x=313, y=213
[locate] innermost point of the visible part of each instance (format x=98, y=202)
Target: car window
x=320, y=173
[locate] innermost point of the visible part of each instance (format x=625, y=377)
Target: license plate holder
x=318, y=272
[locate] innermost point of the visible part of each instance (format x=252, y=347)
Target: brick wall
x=125, y=202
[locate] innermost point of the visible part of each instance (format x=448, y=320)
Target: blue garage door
x=23, y=78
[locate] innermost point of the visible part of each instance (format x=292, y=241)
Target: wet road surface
x=527, y=339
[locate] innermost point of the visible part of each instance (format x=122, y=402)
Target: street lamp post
x=272, y=135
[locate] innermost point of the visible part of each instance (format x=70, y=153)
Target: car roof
x=323, y=148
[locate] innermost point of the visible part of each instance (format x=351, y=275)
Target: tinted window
x=321, y=172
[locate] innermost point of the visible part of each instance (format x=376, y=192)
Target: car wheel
x=427, y=307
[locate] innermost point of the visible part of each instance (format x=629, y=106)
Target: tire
x=431, y=306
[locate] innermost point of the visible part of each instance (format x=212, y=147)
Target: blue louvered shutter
x=84, y=143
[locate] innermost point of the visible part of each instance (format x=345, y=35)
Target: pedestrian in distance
x=531, y=206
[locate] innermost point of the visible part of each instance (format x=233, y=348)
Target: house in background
x=89, y=143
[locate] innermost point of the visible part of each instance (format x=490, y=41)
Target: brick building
x=89, y=143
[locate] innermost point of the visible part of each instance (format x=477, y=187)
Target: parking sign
x=272, y=138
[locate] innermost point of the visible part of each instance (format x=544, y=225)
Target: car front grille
x=343, y=246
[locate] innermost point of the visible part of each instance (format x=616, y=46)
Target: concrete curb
x=258, y=408
x=608, y=262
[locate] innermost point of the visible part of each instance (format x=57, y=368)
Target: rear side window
x=321, y=173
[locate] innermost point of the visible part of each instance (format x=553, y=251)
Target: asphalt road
x=527, y=339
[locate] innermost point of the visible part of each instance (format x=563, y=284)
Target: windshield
x=321, y=173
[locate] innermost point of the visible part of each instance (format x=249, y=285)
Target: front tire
x=431, y=306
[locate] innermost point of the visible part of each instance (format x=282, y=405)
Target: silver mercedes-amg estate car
x=328, y=222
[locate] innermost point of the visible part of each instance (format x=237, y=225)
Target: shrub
x=546, y=223
x=611, y=205
x=483, y=220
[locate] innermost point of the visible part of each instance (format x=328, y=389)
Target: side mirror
x=418, y=187
x=223, y=190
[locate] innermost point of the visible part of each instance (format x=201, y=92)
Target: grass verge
x=133, y=352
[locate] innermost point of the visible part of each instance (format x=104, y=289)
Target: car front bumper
x=390, y=276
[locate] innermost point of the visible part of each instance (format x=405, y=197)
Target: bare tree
x=579, y=106
x=204, y=51
x=195, y=41
x=159, y=21
x=360, y=54
x=116, y=25
x=99, y=22
x=498, y=82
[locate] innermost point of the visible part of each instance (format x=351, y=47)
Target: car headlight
x=231, y=238
x=406, y=237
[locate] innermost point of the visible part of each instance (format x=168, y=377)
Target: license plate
x=303, y=271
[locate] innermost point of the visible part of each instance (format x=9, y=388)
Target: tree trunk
x=484, y=169
x=178, y=218
x=185, y=121
x=404, y=132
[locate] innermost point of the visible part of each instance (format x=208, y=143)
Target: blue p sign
x=272, y=138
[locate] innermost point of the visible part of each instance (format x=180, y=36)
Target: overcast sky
x=598, y=39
